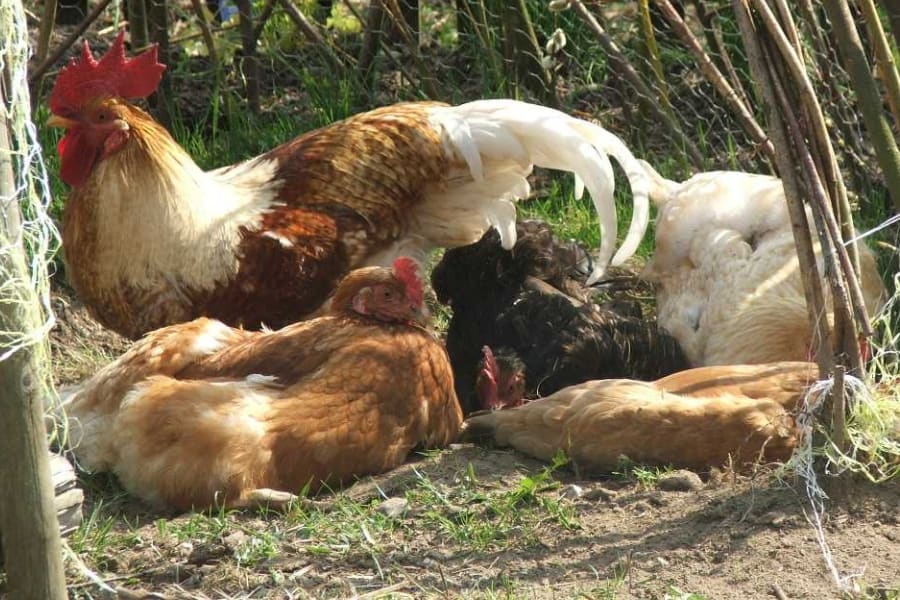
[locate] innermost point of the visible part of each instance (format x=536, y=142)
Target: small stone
x=657, y=499
x=393, y=507
x=235, y=539
x=680, y=481
x=600, y=493
x=641, y=506
x=185, y=549
x=572, y=492
x=775, y=518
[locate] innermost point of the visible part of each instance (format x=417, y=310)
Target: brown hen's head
x=88, y=101
x=392, y=295
x=501, y=380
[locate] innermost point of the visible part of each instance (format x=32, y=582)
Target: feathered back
x=741, y=415
x=560, y=336
x=485, y=272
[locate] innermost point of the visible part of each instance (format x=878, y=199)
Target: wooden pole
x=31, y=543
x=886, y=151
x=884, y=58
x=812, y=287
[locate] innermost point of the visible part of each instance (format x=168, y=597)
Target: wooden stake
x=884, y=58
x=854, y=56
x=31, y=544
x=812, y=288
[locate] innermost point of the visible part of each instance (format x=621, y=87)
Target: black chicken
x=531, y=301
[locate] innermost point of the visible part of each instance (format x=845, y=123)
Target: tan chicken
x=199, y=413
x=726, y=270
x=697, y=419
x=150, y=239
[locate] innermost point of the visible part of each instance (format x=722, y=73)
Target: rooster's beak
x=57, y=121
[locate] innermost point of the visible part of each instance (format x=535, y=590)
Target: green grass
x=475, y=516
x=469, y=515
x=647, y=477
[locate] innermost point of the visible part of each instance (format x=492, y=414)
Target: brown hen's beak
x=422, y=316
x=57, y=121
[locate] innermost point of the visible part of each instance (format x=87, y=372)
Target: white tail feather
x=489, y=135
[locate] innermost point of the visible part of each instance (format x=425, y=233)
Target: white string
x=25, y=286
x=874, y=230
x=803, y=461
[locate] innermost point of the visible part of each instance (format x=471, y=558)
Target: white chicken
x=726, y=270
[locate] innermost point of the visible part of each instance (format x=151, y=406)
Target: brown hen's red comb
x=489, y=363
x=406, y=270
x=86, y=79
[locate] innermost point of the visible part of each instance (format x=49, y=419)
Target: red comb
x=406, y=270
x=86, y=79
x=490, y=363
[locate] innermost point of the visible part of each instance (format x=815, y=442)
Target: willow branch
x=809, y=271
x=645, y=94
x=715, y=77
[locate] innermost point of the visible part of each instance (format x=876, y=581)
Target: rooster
x=200, y=413
x=698, y=418
x=150, y=239
x=726, y=270
x=531, y=301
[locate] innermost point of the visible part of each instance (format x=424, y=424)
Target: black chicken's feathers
x=562, y=338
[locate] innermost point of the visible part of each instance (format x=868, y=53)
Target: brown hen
x=200, y=413
x=698, y=418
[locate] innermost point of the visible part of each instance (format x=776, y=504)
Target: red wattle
x=77, y=158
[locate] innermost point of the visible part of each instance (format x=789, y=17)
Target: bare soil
x=737, y=537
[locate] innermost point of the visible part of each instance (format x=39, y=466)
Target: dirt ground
x=619, y=537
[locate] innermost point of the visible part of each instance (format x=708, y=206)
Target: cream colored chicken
x=726, y=270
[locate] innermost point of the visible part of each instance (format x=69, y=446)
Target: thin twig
x=801, y=154
x=809, y=271
x=884, y=58
x=712, y=73
x=645, y=94
x=393, y=11
x=830, y=238
x=653, y=51
x=382, y=592
x=310, y=30
x=808, y=96
x=208, y=38
x=854, y=57
x=39, y=71
x=839, y=410
x=264, y=15
x=393, y=59
x=249, y=60
x=725, y=57
x=778, y=592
